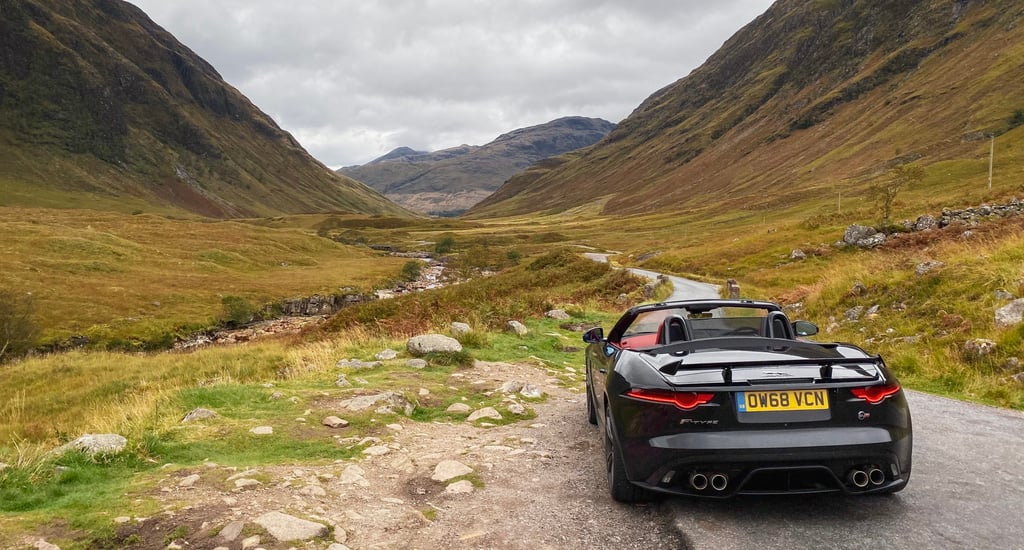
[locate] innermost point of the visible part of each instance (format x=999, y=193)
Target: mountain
x=100, y=107
x=809, y=98
x=452, y=180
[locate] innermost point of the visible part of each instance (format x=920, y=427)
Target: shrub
x=237, y=310
x=445, y=245
x=412, y=270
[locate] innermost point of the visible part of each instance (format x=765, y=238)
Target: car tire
x=619, y=487
x=591, y=409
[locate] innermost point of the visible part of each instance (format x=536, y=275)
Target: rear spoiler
x=827, y=359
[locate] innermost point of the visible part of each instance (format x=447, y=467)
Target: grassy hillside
x=134, y=281
x=813, y=100
x=102, y=108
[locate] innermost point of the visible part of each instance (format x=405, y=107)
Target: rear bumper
x=807, y=460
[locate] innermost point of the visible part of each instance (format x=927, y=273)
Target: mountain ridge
x=102, y=106
x=440, y=182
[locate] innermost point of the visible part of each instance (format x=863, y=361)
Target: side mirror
x=805, y=328
x=594, y=335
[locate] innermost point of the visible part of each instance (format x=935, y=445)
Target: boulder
x=458, y=408
x=559, y=314
x=486, y=412
x=356, y=364
x=862, y=236
x=518, y=328
x=979, y=347
x=531, y=391
x=797, y=254
x=94, y=444
x=416, y=363
x=334, y=422
x=287, y=528
x=460, y=329
x=854, y=313
x=198, y=414
x=925, y=223
x=1011, y=314
x=386, y=355
x=450, y=469
x=262, y=430
x=926, y=267
x=432, y=343
x=386, y=403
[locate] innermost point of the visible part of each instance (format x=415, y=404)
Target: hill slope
x=457, y=178
x=809, y=99
x=101, y=107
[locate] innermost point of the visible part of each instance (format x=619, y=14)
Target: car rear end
x=728, y=423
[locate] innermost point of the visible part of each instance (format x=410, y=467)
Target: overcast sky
x=352, y=80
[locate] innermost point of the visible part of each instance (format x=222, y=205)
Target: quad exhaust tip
x=869, y=475
x=701, y=481
x=876, y=476
x=858, y=478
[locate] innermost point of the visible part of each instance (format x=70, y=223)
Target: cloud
x=353, y=80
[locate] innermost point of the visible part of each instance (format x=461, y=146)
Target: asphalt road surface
x=966, y=489
x=682, y=289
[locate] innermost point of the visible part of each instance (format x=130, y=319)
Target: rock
x=858, y=289
x=353, y=475
x=246, y=482
x=262, y=430
x=198, y=414
x=531, y=391
x=376, y=450
x=386, y=355
x=334, y=422
x=925, y=223
x=518, y=328
x=337, y=546
x=342, y=381
x=231, y=531
x=559, y=314
x=340, y=535
x=622, y=298
x=1012, y=364
x=926, y=267
x=1001, y=294
x=863, y=236
x=512, y=386
x=250, y=542
x=1011, y=314
x=43, y=545
x=449, y=469
x=797, y=254
x=854, y=313
x=4, y=466
x=94, y=444
x=356, y=364
x=431, y=343
x=462, y=487
x=287, y=528
x=313, y=491
x=276, y=395
x=416, y=363
x=460, y=329
x=387, y=403
x=189, y=481
x=517, y=409
x=458, y=408
x=486, y=412
x=649, y=289
x=979, y=347
x=1018, y=378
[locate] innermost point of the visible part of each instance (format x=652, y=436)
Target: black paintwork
x=660, y=446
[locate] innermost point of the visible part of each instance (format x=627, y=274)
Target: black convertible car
x=716, y=398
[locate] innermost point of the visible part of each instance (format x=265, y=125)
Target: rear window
x=714, y=323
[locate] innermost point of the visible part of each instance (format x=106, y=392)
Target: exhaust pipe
x=719, y=482
x=859, y=478
x=698, y=481
x=876, y=476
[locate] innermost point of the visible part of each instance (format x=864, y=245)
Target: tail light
x=685, y=400
x=875, y=394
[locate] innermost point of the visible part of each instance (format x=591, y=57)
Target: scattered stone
x=386, y=402
x=460, y=329
x=649, y=289
x=858, y=289
x=458, y=408
x=246, y=482
x=356, y=364
x=449, y=469
x=313, y=491
x=517, y=409
x=462, y=487
x=518, y=328
x=198, y=414
x=531, y=391
x=979, y=347
x=926, y=267
x=41, y=544
x=342, y=381
x=287, y=528
x=431, y=343
x=353, y=475
x=1012, y=364
x=416, y=363
x=797, y=254
x=386, y=355
x=376, y=450
x=1018, y=378
x=873, y=310
x=854, y=313
x=1001, y=294
x=337, y=546
x=334, y=422
x=863, y=236
x=262, y=430
x=925, y=223
x=559, y=314
x=512, y=386
x=189, y=481
x=424, y=392
x=231, y=531
x=121, y=520
x=622, y=298
x=250, y=542
x=486, y=412
x=94, y=444
x=340, y=535
x=1011, y=314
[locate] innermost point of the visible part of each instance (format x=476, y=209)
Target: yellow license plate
x=788, y=400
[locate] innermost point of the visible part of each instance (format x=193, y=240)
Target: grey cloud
x=353, y=80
